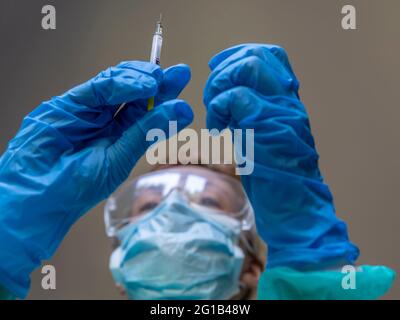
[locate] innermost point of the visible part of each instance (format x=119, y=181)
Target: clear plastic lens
x=201, y=187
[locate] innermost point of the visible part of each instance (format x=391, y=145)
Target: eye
x=210, y=202
x=147, y=207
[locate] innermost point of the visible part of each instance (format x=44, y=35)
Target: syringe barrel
x=156, y=49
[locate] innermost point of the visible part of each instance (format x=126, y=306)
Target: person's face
x=220, y=195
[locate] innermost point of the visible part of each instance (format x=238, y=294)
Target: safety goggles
x=204, y=188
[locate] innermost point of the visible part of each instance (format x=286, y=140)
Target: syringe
x=155, y=57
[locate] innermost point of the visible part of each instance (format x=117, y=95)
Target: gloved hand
x=252, y=86
x=71, y=153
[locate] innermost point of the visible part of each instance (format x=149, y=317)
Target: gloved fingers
x=232, y=105
x=174, y=81
x=83, y=111
x=128, y=81
x=224, y=54
x=245, y=108
x=278, y=51
x=133, y=143
x=93, y=104
x=251, y=72
x=229, y=56
x=275, y=56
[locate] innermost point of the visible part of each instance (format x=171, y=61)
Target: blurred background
x=349, y=82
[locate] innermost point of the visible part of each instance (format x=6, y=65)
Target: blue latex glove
x=71, y=153
x=252, y=86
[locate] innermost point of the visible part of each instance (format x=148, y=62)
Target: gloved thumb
x=128, y=149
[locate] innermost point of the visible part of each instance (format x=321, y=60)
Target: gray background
x=349, y=82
